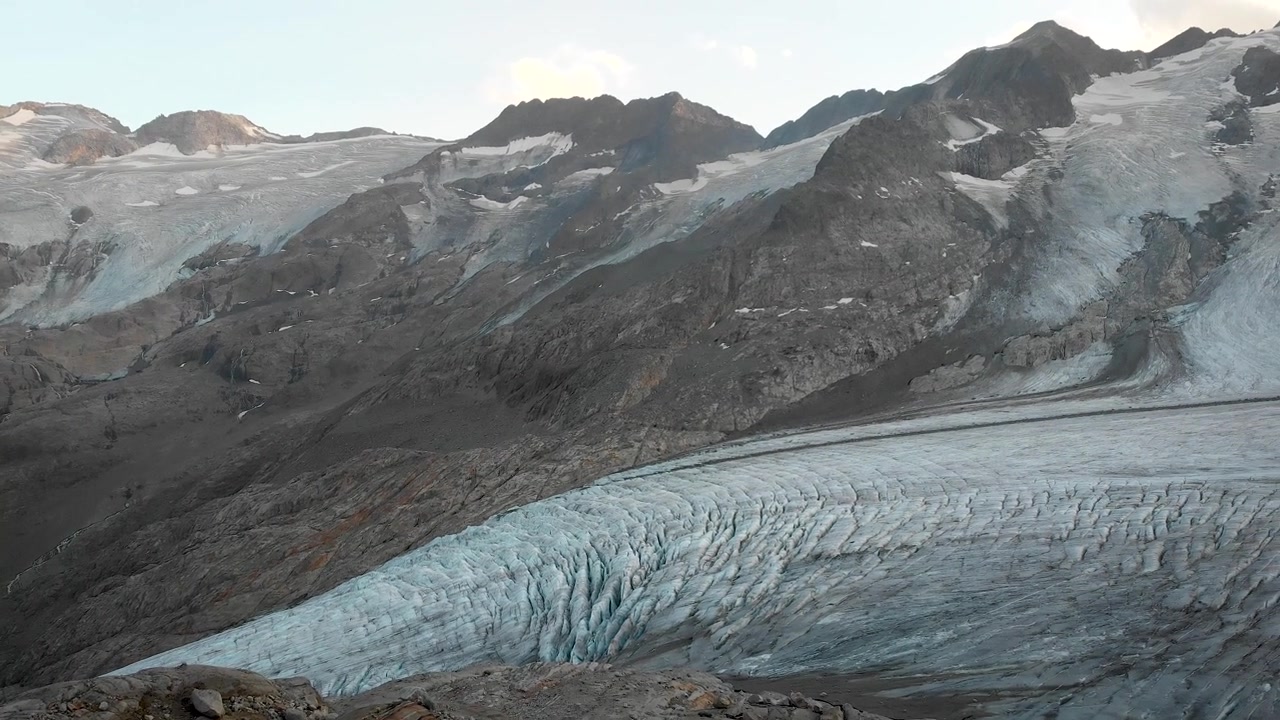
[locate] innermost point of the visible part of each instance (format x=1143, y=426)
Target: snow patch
x=588, y=173
x=22, y=117
x=228, y=188
x=991, y=194
x=485, y=203
x=963, y=132
x=186, y=190
x=144, y=203
x=680, y=187
x=1107, y=119
x=557, y=142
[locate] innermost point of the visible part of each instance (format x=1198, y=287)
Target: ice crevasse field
x=1102, y=555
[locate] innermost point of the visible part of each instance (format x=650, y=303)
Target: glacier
x=1111, y=553
x=155, y=208
x=1095, y=560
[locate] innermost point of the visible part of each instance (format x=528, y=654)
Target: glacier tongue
x=1033, y=559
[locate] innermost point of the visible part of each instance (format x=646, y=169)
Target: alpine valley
x=958, y=400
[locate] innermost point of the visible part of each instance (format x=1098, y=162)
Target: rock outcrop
x=84, y=147
x=535, y=692
x=1258, y=77
x=194, y=130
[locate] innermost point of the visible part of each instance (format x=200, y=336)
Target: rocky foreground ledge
x=536, y=692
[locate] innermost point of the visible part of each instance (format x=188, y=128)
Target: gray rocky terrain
x=533, y=692
x=580, y=287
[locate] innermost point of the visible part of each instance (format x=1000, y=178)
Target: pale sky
x=446, y=68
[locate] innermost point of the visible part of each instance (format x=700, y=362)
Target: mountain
x=1031, y=77
x=624, y=382
x=194, y=130
x=831, y=111
x=1190, y=39
x=59, y=133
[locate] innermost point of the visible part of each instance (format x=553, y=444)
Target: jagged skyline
x=444, y=71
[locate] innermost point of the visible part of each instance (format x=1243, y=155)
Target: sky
x=445, y=69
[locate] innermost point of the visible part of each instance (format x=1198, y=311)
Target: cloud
x=744, y=55
x=568, y=71
x=704, y=43
x=787, y=53
x=1166, y=18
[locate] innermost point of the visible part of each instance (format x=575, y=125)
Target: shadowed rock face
x=666, y=135
x=1030, y=81
x=1186, y=41
x=194, y=130
x=832, y=111
x=1258, y=77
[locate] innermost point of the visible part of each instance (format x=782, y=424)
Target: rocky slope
x=830, y=112
x=536, y=692
x=585, y=286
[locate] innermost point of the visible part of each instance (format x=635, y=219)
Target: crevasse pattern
x=1095, y=564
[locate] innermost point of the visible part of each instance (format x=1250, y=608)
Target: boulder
x=207, y=702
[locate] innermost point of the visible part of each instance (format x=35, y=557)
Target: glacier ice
x=155, y=208
x=1139, y=145
x=1031, y=560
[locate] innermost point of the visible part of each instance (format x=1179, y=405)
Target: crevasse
x=1031, y=559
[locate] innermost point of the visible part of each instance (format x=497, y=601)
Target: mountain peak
x=1188, y=40
x=602, y=122
x=194, y=130
x=1045, y=27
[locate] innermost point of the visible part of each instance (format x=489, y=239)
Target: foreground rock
x=537, y=692
x=190, y=691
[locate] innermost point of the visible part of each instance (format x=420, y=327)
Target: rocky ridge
x=1045, y=54
x=86, y=135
